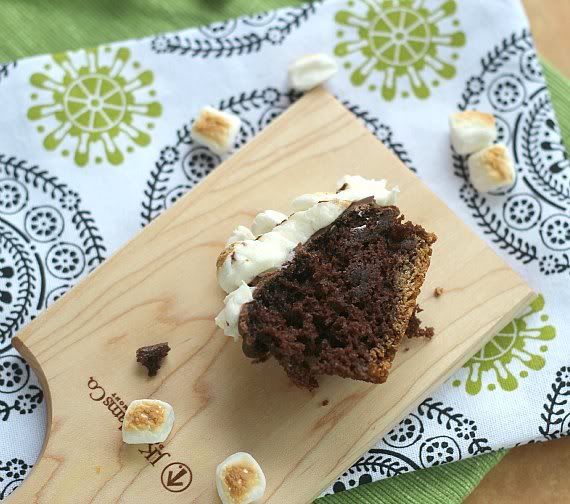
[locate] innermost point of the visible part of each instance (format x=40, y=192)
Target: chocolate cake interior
x=343, y=303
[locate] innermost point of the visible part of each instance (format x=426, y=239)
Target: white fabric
x=93, y=200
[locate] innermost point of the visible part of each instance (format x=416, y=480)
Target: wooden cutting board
x=162, y=287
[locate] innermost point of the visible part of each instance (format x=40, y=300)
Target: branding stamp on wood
x=113, y=402
x=176, y=476
x=154, y=453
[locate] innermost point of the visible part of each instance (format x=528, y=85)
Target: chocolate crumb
x=407, y=349
x=438, y=291
x=151, y=356
x=325, y=402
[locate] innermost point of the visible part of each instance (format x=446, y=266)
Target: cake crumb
x=325, y=402
x=438, y=291
x=407, y=349
x=98, y=469
x=151, y=356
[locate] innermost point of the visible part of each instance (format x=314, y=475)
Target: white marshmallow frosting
x=240, y=233
x=266, y=221
x=243, y=260
x=228, y=318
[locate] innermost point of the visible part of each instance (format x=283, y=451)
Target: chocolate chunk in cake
x=344, y=301
x=151, y=356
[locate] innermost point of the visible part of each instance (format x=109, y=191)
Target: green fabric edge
x=30, y=27
x=74, y=24
x=559, y=87
x=447, y=484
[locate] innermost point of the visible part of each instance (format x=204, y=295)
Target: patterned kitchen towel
x=79, y=128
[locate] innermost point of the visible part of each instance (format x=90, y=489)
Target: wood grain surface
x=549, y=20
x=536, y=473
x=162, y=287
x=531, y=474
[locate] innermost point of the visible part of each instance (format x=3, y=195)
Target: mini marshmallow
x=240, y=480
x=216, y=130
x=266, y=221
x=472, y=131
x=491, y=168
x=240, y=233
x=311, y=70
x=147, y=421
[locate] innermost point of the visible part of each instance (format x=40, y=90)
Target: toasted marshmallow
x=147, y=421
x=216, y=130
x=240, y=480
x=311, y=70
x=266, y=221
x=472, y=131
x=240, y=233
x=491, y=168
